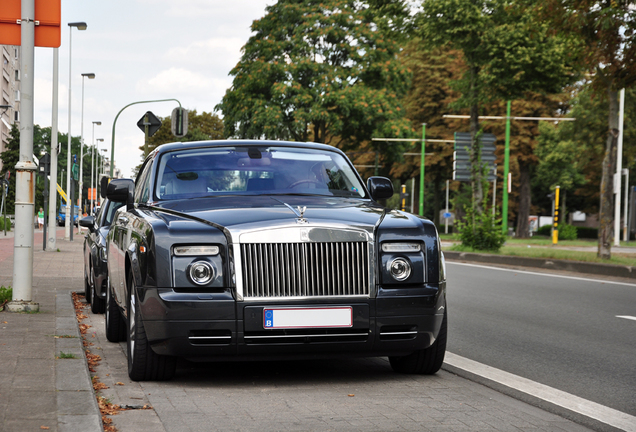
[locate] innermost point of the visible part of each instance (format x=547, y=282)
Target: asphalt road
x=558, y=330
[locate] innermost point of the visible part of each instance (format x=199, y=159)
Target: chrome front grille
x=312, y=269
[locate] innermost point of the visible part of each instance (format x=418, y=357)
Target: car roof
x=164, y=148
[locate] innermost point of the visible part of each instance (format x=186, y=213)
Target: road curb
x=77, y=405
x=548, y=264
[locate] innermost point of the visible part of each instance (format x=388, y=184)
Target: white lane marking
x=626, y=317
x=542, y=274
x=560, y=398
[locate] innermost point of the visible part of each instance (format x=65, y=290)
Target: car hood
x=242, y=213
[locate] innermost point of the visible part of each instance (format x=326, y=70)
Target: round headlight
x=400, y=269
x=201, y=272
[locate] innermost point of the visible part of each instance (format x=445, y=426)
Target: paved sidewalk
x=39, y=390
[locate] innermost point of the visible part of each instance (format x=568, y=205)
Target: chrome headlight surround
x=199, y=266
x=201, y=272
x=403, y=262
x=400, y=269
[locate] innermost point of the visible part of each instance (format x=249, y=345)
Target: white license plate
x=307, y=317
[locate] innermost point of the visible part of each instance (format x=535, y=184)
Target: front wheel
x=87, y=285
x=115, y=324
x=426, y=361
x=143, y=363
x=98, y=304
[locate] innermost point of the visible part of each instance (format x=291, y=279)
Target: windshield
x=255, y=171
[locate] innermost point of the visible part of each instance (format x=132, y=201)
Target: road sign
x=150, y=120
x=48, y=17
x=75, y=171
x=461, y=155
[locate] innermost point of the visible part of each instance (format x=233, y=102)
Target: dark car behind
x=95, y=267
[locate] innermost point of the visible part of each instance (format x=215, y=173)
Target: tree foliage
x=507, y=54
x=41, y=145
x=319, y=70
x=606, y=28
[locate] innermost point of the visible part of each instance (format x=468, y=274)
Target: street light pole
x=97, y=177
x=93, y=171
x=51, y=244
x=25, y=174
x=68, y=223
x=81, y=167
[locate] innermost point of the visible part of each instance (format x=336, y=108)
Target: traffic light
x=179, y=123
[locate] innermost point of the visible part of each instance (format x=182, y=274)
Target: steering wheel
x=299, y=182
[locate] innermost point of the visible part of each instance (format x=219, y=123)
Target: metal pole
x=51, y=244
x=446, y=229
x=556, y=220
x=422, y=170
x=619, y=170
x=494, y=193
x=25, y=174
x=112, y=145
x=81, y=160
x=67, y=223
x=92, y=170
x=504, y=204
x=46, y=201
x=625, y=205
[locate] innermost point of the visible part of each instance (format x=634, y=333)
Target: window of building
x=17, y=74
x=17, y=95
x=16, y=116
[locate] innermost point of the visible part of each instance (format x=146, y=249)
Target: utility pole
x=25, y=174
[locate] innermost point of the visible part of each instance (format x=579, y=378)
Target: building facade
x=10, y=93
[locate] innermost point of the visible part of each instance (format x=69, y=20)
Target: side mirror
x=380, y=188
x=88, y=222
x=121, y=190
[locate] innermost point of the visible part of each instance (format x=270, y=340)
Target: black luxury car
x=95, y=269
x=257, y=250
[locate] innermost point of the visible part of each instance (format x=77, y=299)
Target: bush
x=4, y=221
x=545, y=230
x=6, y=295
x=587, y=232
x=567, y=232
x=484, y=234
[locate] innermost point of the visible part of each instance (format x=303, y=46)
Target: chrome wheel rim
x=131, y=321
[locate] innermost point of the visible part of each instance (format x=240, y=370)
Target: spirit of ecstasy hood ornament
x=300, y=212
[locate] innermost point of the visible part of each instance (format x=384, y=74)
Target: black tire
x=98, y=304
x=115, y=323
x=143, y=363
x=426, y=361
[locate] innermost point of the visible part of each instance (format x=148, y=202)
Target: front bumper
x=215, y=327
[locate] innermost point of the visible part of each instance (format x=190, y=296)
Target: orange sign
x=92, y=193
x=48, y=18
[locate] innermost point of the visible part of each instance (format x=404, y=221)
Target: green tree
x=507, y=54
x=427, y=101
x=323, y=70
x=607, y=30
x=571, y=154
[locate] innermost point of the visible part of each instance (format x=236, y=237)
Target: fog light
x=400, y=269
x=201, y=272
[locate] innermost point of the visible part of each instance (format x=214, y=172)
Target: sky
x=140, y=50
